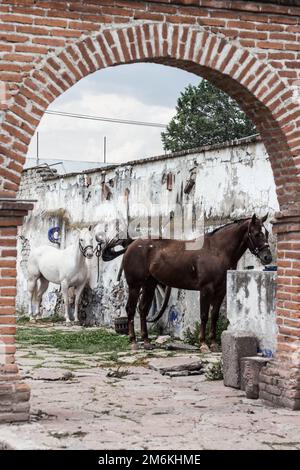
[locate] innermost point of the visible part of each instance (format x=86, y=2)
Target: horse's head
x=86, y=242
x=257, y=239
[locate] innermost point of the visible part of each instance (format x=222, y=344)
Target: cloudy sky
x=140, y=92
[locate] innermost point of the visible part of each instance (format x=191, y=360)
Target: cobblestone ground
x=77, y=403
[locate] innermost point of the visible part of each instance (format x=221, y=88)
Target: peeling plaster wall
x=251, y=306
x=228, y=182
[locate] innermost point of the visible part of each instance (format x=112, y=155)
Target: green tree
x=205, y=115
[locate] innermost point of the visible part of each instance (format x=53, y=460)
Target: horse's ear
x=90, y=228
x=253, y=220
x=264, y=218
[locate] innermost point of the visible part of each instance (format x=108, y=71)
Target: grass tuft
x=192, y=336
x=83, y=341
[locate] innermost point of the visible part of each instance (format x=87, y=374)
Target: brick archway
x=241, y=71
x=256, y=87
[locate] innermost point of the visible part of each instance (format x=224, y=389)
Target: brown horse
x=174, y=263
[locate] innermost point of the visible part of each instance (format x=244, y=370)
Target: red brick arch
x=253, y=83
x=248, y=49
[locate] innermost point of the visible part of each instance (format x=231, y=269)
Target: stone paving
x=85, y=402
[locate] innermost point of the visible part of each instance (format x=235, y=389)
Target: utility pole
x=104, y=149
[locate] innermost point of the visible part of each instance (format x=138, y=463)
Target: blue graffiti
x=173, y=315
x=54, y=235
x=266, y=352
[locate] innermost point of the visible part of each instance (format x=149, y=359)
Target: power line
x=43, y=159
x=106, y=119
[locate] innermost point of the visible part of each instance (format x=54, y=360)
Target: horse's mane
x=237, y=221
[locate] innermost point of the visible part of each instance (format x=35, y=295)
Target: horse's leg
x=31, y=286
x=78, y=293
x=65, y=293
x=144, y=306
x=130, y=309
x=40, y=292
x=214, y=320
x=204, y=311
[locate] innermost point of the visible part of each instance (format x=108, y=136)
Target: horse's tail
x=109, y=253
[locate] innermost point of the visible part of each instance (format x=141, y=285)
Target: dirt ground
x=77, y=403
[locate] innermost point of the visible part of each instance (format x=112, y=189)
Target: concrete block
x=250, y=369
x=236, y=345
x=251, y=298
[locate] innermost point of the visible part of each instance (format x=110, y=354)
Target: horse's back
x=43, y=259
x=142, y=254
x=43, y=251
x=171, y=262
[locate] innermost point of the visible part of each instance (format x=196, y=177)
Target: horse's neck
x=231, y=242
x=74, y=251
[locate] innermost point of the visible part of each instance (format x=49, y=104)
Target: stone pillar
x=14, y=395
x=279, y=381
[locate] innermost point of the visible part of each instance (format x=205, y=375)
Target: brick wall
x=249, y=49
x=280, y=381
x=14, y=395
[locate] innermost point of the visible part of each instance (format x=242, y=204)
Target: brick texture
x=250, y=51
x=280, y=380
x=14, y=395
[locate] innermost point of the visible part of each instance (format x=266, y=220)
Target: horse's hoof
x=214, y=347
x=134, y=347
x=204, y=348
x=148, y=346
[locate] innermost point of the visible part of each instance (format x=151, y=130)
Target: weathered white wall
x=251, y=306
x=231, y=182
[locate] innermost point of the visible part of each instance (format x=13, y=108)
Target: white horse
x=65, y=267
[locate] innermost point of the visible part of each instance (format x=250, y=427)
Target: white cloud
x=78, y=139
x=141, y=92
